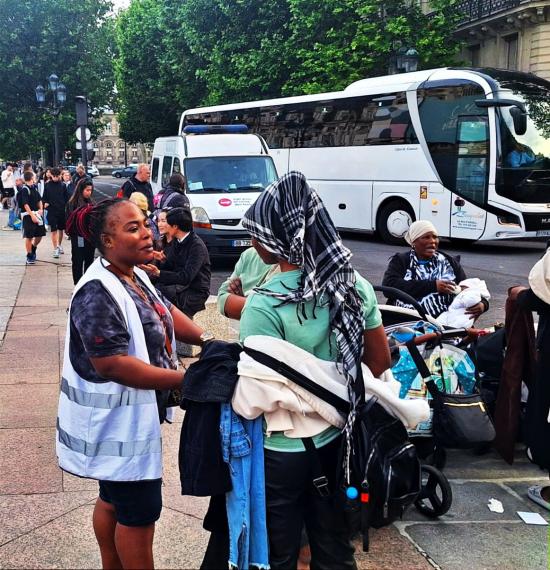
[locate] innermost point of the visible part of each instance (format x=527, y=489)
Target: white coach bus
x=467, y=149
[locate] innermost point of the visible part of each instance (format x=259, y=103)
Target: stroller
x=414, y=335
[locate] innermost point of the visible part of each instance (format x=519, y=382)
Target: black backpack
x=382, y=477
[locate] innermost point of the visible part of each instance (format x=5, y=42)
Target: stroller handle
x=392, y=292
x=449, y=333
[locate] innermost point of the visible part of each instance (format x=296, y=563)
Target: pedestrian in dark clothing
x=79, y=174
x=184, y=277
x=173, y=196
x=81, y=249
x=55, y=200
x=32, y=213
x=139, y=182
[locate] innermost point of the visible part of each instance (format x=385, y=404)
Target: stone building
x=112, y=151
x=509, y=34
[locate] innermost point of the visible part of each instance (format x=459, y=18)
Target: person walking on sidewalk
x=82, y=250
x=8, y=193
x=55, y=200
x=30, y=203
x=120, y=348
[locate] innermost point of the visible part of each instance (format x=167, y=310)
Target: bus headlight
x=200, y=218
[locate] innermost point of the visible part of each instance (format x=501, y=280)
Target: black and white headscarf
x=438, y=267
x=290, y=221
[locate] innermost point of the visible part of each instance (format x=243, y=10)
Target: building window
x=108, y=129
x=474, y=52
x=511, y=51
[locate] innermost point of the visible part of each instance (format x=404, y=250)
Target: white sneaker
x=55, y=253
x=60, y=250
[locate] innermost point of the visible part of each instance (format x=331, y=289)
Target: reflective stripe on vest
x=110, y=448
x=105, y=401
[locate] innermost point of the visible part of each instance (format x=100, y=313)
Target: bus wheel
x=394, y=219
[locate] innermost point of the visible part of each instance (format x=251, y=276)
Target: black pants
x=82, y=257
x=293, y=501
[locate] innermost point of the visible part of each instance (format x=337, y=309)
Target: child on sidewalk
x=55, y=201
x=30, y=203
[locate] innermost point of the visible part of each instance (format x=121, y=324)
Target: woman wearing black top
x=82, y=251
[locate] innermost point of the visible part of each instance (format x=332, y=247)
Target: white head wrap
x=419, y=228
x=539, y=278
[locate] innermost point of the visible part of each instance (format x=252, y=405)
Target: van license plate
x=543, y=233
x=241, y=243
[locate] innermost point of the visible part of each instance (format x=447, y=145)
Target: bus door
x=467, y=215
x=434, y=205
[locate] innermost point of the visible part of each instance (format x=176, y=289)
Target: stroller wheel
x=436, y=495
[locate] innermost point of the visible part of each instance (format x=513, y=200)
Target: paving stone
x=28, y=462
x=23, y=513
x=483, y=546
x=28, y=405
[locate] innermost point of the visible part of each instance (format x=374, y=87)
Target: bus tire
x=393, y=220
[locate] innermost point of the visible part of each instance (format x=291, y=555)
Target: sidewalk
x=45, y=514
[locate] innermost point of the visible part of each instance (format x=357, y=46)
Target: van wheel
x=393, y=221
x=118, y=175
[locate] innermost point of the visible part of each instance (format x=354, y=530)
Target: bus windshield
x=523, y=172
x=229, y=174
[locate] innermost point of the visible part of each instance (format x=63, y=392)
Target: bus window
x=176, y=166
x=472, y=164
x=166, y=169
x=155, y=172
x=440, y=107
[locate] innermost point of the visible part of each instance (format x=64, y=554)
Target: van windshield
x=229, y=174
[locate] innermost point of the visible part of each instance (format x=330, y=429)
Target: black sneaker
x=30, y=259
x=33, y=251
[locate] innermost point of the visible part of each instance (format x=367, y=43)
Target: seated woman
x=316, y=303
x=427, y=274
x=184, y=276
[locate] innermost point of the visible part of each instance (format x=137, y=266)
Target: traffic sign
x=78, y=134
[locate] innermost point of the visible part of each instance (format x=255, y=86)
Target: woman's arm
x=376, y=351
x=393, y=277
x=184, y=328
x=133, y=372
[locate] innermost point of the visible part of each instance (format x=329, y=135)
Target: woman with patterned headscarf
x=320, y=304
x=428, y=274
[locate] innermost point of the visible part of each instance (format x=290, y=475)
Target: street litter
x=531, y=518
x=495, y=506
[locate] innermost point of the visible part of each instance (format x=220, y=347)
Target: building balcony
x=486, y=18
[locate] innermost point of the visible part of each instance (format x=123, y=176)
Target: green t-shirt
x=262, y=316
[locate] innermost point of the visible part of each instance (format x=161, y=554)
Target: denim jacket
x=242, y=449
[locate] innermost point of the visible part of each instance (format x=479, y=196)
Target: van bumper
x=224, y=243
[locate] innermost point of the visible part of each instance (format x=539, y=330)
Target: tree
x=72, y=39
x=335, y=42
x=239, y=46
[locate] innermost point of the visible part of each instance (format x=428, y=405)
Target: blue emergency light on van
x=210, y=129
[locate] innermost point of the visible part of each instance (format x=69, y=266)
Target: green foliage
x=40, y=37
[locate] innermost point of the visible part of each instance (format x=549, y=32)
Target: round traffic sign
x=78, y=133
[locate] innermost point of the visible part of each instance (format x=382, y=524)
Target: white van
x=226, y=169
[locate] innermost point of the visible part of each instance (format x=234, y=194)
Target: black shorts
x=32, y=230
x=136, y=503
x=56, y=220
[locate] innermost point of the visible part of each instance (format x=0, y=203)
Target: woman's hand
x=235, y=287
x=475, y=310
x=445, y=287
x=150, y=269
x=159, y=256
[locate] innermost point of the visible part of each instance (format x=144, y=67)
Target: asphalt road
x=500, y=263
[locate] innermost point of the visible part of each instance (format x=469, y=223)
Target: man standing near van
x=139, y=182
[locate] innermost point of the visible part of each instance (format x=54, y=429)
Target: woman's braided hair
x=91, y=220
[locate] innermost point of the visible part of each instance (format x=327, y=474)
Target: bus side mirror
x=520, y=120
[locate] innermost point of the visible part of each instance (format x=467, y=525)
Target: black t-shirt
x=98, y=328
x=30, y=196
x=55, y=194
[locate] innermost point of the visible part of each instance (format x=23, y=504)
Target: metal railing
x=477, y=9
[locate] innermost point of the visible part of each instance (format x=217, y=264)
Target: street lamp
x=59, y=96
x=403, y=59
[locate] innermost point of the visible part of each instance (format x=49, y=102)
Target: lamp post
x=403, y=59
x=59, y=96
